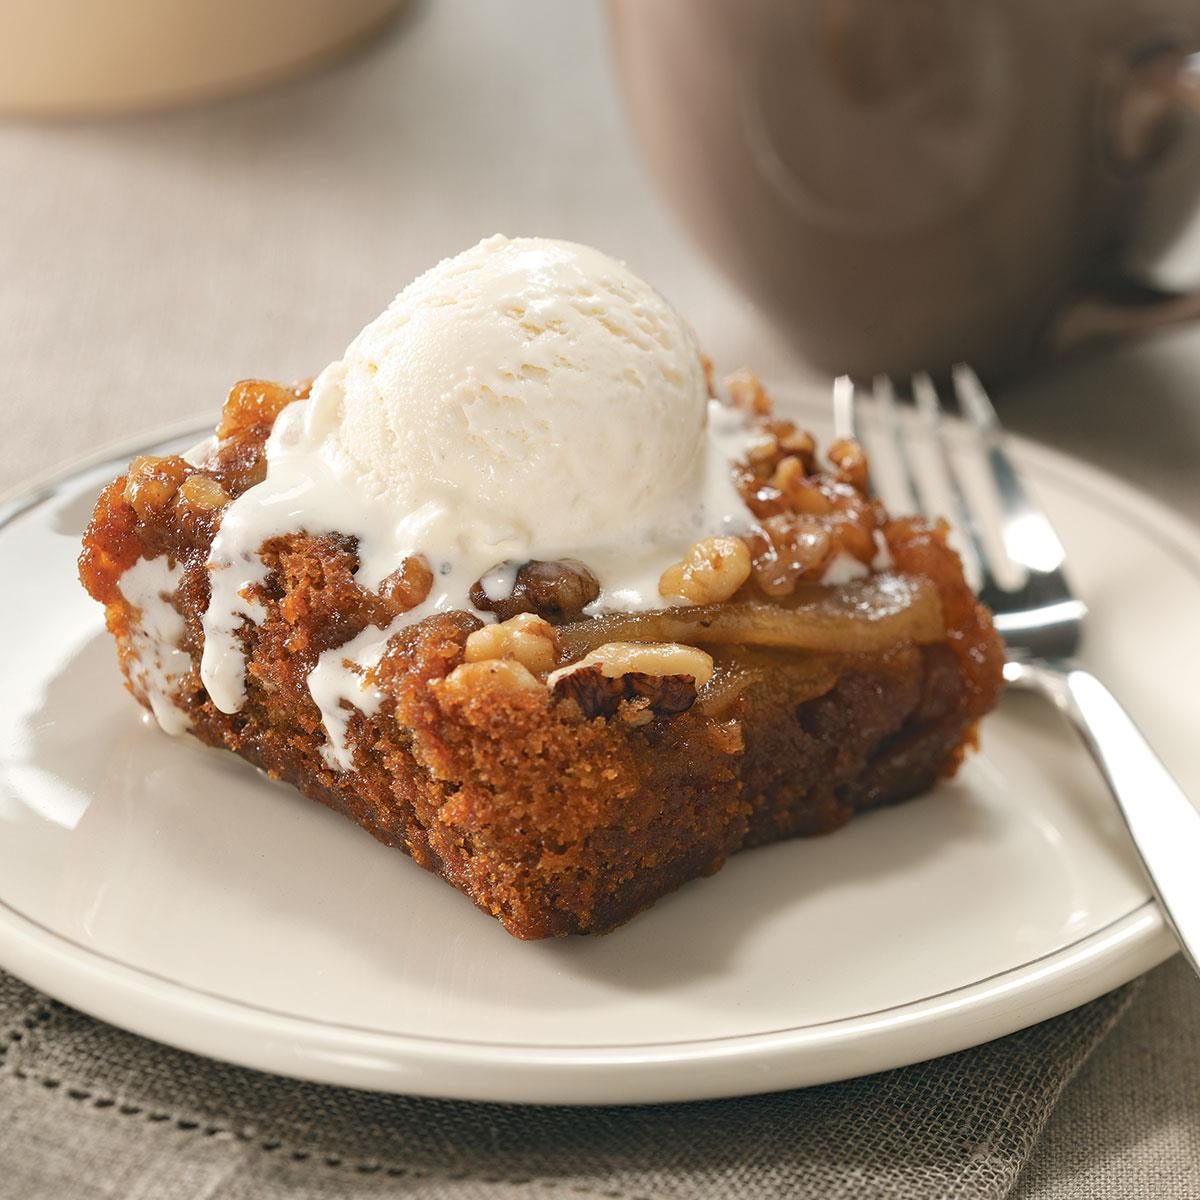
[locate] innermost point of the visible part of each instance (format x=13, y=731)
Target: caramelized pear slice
x=864, y=617
x=791, y=677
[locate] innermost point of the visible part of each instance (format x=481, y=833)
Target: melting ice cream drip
x=158, y=664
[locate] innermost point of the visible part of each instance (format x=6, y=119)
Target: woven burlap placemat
x=87, y=1110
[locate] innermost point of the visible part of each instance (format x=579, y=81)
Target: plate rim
x=241, y=1033
x=825, y=1052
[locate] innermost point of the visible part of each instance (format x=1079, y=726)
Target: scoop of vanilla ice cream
x=526, y=399
x=538, y=384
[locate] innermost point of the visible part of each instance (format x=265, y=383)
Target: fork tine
x=1029, y=538
x=845, y=424
x=929, y=405
x=976, y=404
x=885, y=398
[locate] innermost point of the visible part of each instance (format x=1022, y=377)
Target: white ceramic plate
x=174, y=891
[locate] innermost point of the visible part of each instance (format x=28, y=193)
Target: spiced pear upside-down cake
x=518, y=588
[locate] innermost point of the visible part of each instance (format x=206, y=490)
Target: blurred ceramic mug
x=907, y=183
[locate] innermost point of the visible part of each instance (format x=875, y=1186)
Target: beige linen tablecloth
x=145, y=263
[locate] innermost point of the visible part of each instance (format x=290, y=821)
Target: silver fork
x=1041, y=622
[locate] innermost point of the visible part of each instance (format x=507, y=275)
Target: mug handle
x=1151, y=135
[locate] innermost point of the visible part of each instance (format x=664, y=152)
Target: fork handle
x=1162, y=821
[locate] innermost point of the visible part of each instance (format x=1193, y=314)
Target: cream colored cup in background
x=905, y=183
x=84, y=57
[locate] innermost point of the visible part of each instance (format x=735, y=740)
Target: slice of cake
x=515, y=587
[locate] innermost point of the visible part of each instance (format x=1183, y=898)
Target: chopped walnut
x=469, y=677
x=254, y=403
x=525, y=639
x=635, y=713
x=649, y=658
x=850, y=461
x=747, y=393
x=710, y=572
x=151, y=483
x=239, y=458
x=408, y=584
x=764, y=450
x=776, y=441
x=557, y=590
x=600, y=695
x=807, y=515
x=797, y=442
x=788, y=549
x=665, y=675
x=202, y=493
x=802, y=492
